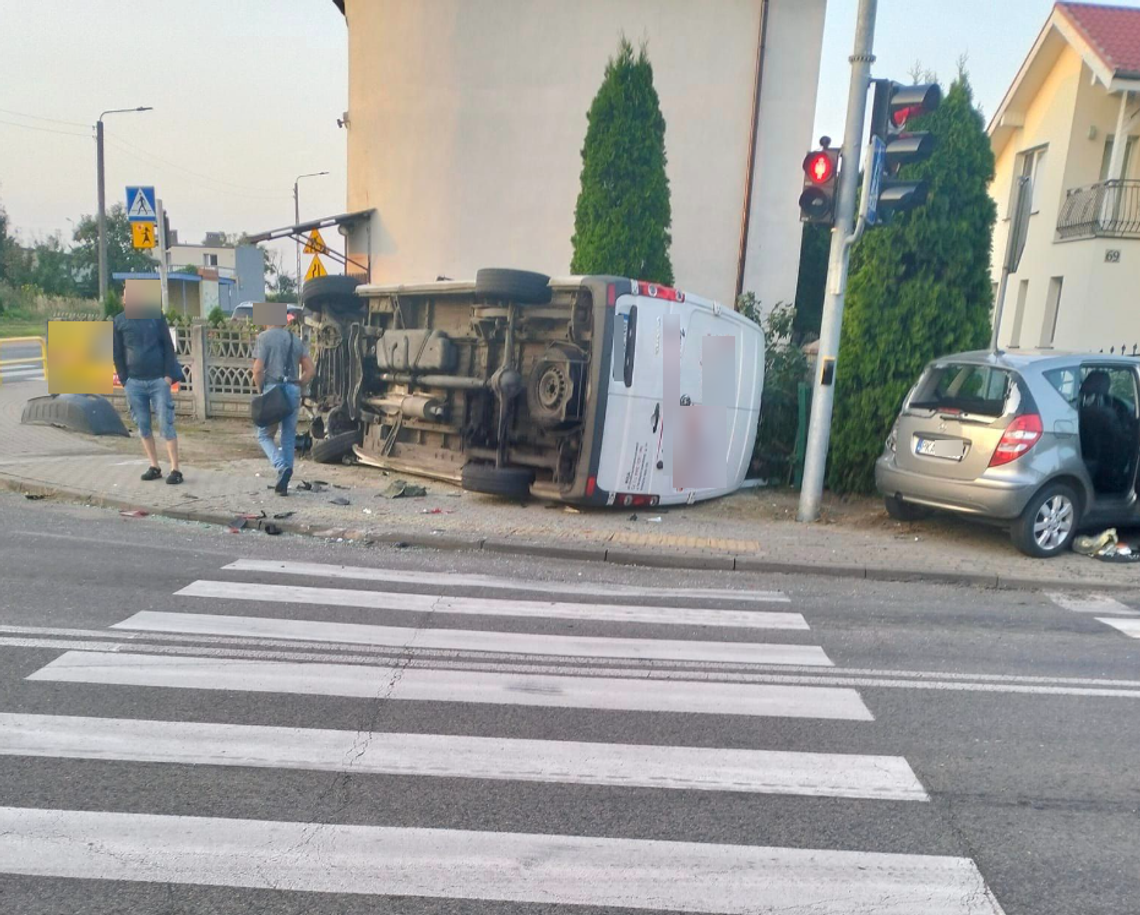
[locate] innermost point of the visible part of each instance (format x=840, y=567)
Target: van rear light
x=592, y=482
x=1020, y=435
x=611, y=295
x=659, y=292
x=636, y=500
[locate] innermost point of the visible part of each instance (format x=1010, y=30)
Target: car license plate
x=946, y=448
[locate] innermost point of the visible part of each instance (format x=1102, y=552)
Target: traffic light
x=895, y=105
x=821, y=179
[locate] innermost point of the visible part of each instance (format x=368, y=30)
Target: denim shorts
x=143, y=395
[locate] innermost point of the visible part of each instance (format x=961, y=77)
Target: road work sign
x=315, y=244
x=140, y=204
x=316, y=268
x=142, y=234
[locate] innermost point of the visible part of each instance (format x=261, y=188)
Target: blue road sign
x=877, y=166
x=140, y=204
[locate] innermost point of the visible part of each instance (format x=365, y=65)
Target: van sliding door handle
x=686, y=400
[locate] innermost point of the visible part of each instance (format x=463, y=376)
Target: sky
x=246, y=95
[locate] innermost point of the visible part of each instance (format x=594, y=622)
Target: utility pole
x=163, y=269
x=102, y=195
x=297, y=222
x=842, y=237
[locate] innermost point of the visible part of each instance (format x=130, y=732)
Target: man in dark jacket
x=147, y=367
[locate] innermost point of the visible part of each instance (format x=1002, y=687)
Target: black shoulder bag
x=272, y=406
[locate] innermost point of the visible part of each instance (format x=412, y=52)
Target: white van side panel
x=634, y=440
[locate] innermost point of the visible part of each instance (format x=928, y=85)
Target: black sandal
x=175, y=478
x=152, y=473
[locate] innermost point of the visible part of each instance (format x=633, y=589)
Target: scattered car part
x=90, y=414
x=510, y=482
x=330, y=450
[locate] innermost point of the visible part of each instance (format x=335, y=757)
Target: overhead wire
x=65, y=133
x=37, y=117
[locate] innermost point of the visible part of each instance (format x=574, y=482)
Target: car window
x=1122, y=384
x=964, y=388
x=1066, y=382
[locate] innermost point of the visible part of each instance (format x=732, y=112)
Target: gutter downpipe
x=749, y=175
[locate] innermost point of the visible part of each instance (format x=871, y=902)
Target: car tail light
x=592, y=482
x=893, y=438
x=1020, y=435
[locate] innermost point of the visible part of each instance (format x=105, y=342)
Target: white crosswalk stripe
x=475, y=668
x=500, y=866
x=1108, y=610
x=479, y=606
x=1130, y=627
x=480, y=640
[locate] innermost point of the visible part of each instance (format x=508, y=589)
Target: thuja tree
x=919, y=288
x=621, y=223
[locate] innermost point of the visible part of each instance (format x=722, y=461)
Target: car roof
x=1037, y=359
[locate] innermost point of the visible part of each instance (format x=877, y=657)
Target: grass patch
x=22, y=328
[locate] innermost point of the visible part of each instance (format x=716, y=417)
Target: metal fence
x=1109, y=209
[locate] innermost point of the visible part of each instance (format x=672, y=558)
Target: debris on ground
x=633, y=517
x=34, y=497
x=271, y=529
x=368, y=511
x=283, y=515
x=656, y=520
x=437, y=511
x=339, y=500
x=313, y=486
x=125, y=513
x=1090, y=544
x=402, y=489
x=571, y=510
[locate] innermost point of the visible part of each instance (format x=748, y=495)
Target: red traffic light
x=819, y=167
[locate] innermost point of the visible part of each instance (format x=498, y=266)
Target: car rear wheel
x=1049, y=523
x=519, y=286
x=509, y=482
x=902, y=510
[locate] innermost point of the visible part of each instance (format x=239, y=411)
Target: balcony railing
x=1110, y=209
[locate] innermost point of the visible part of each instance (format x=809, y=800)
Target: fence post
x=199, y=372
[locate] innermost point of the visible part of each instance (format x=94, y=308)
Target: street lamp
x=103, y=194
x=297, y=221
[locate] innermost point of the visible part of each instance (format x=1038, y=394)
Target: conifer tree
x=622, y=220
x=919, y=288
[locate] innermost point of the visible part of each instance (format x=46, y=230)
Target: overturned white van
x=592, y=390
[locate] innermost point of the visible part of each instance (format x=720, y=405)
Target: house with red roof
x=1067, y=186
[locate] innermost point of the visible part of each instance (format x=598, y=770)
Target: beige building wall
x=1099, y=306
x=467, y=117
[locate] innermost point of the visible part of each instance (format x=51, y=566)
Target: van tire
x=509, y=482
x=1022, y=531
x=518, y=286
x=902, y=510
x=332, y=448
x=331, y=292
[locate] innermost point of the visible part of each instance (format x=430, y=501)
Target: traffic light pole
x=842, y=237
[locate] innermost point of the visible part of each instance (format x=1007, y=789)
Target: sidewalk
x=753, y=530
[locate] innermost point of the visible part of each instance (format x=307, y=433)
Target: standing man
x=147, y=367
x=276, y=359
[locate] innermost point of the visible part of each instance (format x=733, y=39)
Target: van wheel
x=1049, y=523
x=519, y=286
x=333, y=293
x=332, y=448
x=509, y=482
x=901, y=510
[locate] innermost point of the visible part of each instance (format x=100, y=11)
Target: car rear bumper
x=993, y=497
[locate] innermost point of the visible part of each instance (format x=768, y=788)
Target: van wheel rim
x=1054, y=522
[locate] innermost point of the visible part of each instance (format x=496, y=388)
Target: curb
x=625, y=556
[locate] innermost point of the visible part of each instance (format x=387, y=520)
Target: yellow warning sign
x=316, y=268
x=315, y=244
x=142, y=234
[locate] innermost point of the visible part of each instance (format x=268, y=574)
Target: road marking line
x=1091, y=603
x=505, y=867
x=481, y=606
x=451, y=579
x=476, y=640
x=1130, y=627
x=447, y=756
x=400, y=682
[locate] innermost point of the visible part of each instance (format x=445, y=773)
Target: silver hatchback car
x=1046, y=442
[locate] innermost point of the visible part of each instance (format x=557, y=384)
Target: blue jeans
x=282, y=458
x=143, y=394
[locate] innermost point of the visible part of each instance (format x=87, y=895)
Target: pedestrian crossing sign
x=315, y=244
x=142, y=234
x=140, y=204
x=316, y=269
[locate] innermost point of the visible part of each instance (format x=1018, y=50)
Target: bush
x=623, y=215
x=785, y=369
x=216, y=317
x=112, y=304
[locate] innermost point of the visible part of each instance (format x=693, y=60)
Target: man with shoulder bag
x=281, y=367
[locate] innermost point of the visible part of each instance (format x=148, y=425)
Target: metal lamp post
x=103, y=194
x=297, y=221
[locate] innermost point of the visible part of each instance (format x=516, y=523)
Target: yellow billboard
x=80, y=357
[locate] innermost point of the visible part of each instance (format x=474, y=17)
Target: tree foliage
x=122, y=257
x=623, y=216
x=919, y=288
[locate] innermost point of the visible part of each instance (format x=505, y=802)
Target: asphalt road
x=414, y=739
x=17, y=373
